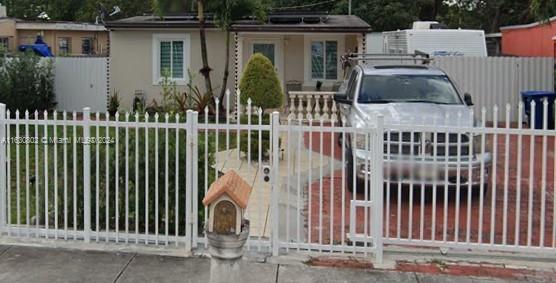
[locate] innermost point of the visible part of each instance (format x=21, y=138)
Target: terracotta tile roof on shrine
x=232, y=185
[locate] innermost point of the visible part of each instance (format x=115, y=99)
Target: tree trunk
x=495, y=22
x=437, y=5
x=205, y=71
x=226, y=70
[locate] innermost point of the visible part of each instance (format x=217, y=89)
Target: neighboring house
x=303, y=48
x=530, y=40
x=494, y=44
x=64, y=38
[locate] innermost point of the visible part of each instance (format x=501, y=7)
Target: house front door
x=271, y=49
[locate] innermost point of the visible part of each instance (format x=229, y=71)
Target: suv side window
x=352, y=85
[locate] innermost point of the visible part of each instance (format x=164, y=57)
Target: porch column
x=237, y=59
x=361, y=43
x=238, y=47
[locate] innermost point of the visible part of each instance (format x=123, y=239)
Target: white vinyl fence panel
x=498, y=80
x=81, y=82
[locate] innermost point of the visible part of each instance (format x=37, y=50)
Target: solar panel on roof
x=311, y=20
x=286, y=20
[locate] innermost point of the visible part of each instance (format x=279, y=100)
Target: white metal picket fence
x=134, y=178
x=89, y=178
x=484, y=187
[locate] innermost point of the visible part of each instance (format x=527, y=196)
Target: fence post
x=377, y=187
x=3, y=180
x=189, y=180
x=86, y=174
x=274, y=181
x=194, y=173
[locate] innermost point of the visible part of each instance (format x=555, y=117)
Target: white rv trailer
x=436, y=42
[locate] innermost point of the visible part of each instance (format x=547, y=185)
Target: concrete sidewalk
x=33, y=264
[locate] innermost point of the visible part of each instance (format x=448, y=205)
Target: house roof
x=74, y=26
x=150, y=21
x=53, y=25
x=306, y=23
x=232, y=185
x=531, y=25
x=294, y=22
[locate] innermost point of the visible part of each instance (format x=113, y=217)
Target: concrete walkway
x=33, y=264
x=300, y=163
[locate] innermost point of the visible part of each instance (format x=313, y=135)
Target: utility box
x=227, y=200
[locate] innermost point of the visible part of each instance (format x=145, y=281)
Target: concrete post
x=226, y=251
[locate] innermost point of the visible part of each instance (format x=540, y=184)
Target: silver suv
x=407, y=94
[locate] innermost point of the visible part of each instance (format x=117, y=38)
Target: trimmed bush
x=260, y=83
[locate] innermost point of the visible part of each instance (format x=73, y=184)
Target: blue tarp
x=40, y=48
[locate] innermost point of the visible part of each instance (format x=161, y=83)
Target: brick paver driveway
x=405, y=210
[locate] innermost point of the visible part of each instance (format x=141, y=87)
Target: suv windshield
x=408, y=88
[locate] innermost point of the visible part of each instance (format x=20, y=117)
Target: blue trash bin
x=539, y=97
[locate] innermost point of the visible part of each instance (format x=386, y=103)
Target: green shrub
x=103, y=151
x=180, y=185
x=174, y=101
x=260, y=83
x=27, y=83
x=114, y=102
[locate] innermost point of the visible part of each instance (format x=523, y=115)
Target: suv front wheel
x=352, y=181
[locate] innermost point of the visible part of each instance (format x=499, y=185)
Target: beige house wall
x=295, y=64
x=294, y=56
x=131, y=62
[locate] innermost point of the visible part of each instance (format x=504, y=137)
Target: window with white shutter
x=170, y=57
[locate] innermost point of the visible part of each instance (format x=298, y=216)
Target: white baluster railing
x=304, y=105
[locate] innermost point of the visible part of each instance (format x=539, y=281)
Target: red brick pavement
x=425, y=205
x=445, y=267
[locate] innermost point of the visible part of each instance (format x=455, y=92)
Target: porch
x=305, y=50
x=308, y=67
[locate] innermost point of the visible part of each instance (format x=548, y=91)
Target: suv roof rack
x=417, y=57
x=401, y=66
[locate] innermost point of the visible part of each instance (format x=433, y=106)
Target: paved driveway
x=460, y=222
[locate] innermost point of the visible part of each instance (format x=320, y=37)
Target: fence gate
x=293, y=167
x=320, y=205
